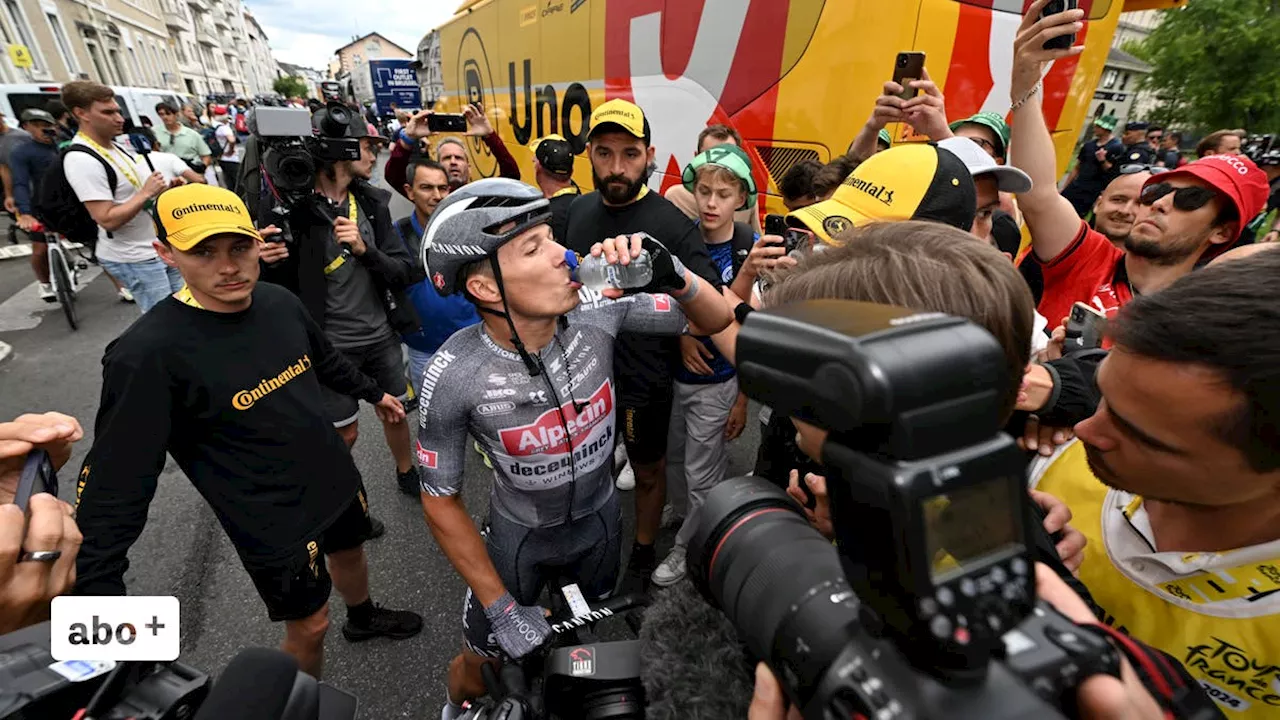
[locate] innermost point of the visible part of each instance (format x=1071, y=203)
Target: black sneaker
x=376, y=528
x=394, y=624
x=409, y=482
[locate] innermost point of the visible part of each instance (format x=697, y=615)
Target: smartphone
x=775, y=225
x=792, y=238
x=909, y=66
x=38, y=476
x=1084, y=328
x=1053, y=7
x=446, y=122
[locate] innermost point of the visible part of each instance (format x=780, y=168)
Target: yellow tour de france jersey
x=1216, y=613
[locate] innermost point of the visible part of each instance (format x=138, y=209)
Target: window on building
x=179, y=50
x=64, y=46
x=95, y=55
x=1124, y=80
x=113, y=57
x=137, y=68
x=18, y=22
x=1109, y=79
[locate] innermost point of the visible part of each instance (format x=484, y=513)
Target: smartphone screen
x=909, y=66
x=38, y=476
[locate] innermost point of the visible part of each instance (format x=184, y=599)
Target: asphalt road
x=183, y=551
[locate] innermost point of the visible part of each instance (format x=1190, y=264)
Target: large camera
x=926, y=605
x=294, y=144
x=1257, y=147
x=33, y=686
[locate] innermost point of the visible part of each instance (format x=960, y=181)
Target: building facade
x=199, y=47
x=1118, y=93
x=359, y=50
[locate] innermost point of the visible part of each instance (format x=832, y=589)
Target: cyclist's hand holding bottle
x=666, y=274
x=519, y=629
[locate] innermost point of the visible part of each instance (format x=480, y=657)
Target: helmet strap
x=531, y=363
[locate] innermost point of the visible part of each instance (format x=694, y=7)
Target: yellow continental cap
x=908, y=182
x=626, y=115
x=192, y=213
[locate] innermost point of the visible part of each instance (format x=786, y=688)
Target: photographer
x=350, y=269
x=37, y=553
x=226, y=376
x=1175, y=479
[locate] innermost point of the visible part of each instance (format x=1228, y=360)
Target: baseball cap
x=1235, y=177
x=619, y=114
x=554, y=154
x=1106, y=122
x=35, y=115
x=1136, y=125
x=729, y=156
x=1009, y=179
x=192, y=213
x=919, y=181
x=991, y=120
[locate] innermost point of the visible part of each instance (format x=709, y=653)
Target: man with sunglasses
x=1183, y=216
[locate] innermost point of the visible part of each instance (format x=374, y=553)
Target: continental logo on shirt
x=245, y=399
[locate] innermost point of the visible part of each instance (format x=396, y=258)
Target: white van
x=135, y=103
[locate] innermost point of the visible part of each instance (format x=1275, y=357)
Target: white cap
x=1008, y=179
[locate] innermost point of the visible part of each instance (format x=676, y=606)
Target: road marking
x=14, y=251
x=25, y=310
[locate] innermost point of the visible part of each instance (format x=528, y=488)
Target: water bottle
x=596, y=274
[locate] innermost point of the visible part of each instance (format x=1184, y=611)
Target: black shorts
x=586, y=551
x=644, y=430
x=383, y=362
x=297, y=586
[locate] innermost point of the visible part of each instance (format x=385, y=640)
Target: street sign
x=20, y=56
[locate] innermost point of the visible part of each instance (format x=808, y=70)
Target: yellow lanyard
x=571, y=190
x=128, y=172
x=185, y=297
x=352, y=214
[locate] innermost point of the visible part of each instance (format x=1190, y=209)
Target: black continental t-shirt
x=235, y=399
x=642, y=363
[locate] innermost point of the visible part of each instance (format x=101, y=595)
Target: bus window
x=1094, y=9
x=124, y=110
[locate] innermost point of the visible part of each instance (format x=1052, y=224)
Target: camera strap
x=352, y=214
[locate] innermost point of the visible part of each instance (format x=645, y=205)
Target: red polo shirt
x=1090, y=270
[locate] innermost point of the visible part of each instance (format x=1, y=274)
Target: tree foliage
x=1217, y=65
x=290, y=86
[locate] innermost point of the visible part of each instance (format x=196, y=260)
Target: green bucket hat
x=1106, y=122
x=883, y=136
x=730, y=156
x=992, y=120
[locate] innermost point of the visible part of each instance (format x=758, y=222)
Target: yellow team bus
x=797, y=78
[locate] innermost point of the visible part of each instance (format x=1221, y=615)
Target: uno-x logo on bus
x=476, y=81
x=547, y=434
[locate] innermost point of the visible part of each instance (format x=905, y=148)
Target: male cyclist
x=532, y=383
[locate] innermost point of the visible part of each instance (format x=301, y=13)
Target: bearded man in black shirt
x=622, y=204
x=225, y=375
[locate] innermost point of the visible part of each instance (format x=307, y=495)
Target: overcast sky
x=308, y=34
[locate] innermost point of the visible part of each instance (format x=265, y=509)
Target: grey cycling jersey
x=550, y=437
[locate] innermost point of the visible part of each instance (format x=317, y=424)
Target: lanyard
x=185, y=297
x=104, y=152
x=352, y=214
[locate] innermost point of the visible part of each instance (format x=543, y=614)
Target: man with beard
x=621, y=163
x=1183, y=216
x=1176, y=482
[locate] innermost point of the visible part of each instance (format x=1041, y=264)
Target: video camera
x=258, y=684
x=926, y=606
x=294, y=144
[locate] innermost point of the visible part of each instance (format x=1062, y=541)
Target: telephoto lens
x=777, y=579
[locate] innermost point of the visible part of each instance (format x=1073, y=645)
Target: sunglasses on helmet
x=1186, y=199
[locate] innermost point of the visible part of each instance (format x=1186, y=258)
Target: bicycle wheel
x=62, y=286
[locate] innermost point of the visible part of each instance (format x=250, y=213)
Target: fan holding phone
x=38, y=534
